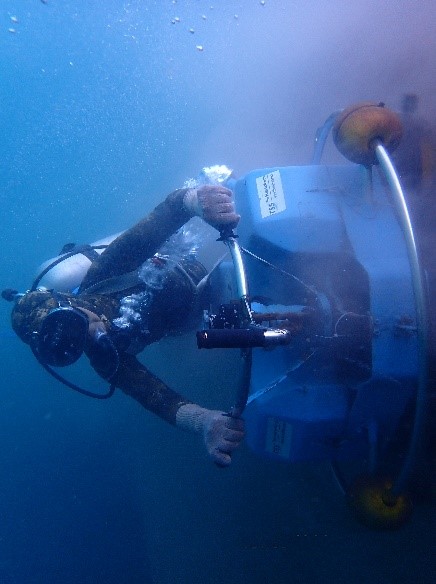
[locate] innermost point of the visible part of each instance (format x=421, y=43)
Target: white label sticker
x=278, y=437
x=270, y=193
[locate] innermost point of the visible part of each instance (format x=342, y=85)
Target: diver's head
x=55, y=330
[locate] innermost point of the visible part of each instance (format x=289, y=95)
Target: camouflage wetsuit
x=173, y=305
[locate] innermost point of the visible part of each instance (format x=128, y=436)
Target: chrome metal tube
x=241, y=278
x=421, y=313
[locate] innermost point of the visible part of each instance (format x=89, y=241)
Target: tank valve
x=359, y=127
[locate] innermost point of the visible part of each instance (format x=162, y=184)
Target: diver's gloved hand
x=214, y=204
x=221, y=433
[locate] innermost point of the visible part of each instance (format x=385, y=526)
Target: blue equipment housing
x=328, y=262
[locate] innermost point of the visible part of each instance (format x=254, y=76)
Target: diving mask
x=62, y=337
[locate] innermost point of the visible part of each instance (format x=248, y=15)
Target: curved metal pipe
x=321, y=137
x=421, y=314
x=241, y=278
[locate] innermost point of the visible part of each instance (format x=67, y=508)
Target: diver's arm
x=135, y=380
x=221, y=433
x=130, y=249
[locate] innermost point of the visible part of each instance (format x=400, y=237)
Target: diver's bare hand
x=214, y=204
x=221, y=433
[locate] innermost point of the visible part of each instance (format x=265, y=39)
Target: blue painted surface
x=341, y=220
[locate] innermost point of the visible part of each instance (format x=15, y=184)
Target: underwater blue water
x=106, y=107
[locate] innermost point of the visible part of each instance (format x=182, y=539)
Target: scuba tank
x=66, y=271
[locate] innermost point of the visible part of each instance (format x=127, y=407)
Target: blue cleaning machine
x=327, y=303
x=351, y=366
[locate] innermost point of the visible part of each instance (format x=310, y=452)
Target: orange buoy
x=358, y=127
x=374, y=504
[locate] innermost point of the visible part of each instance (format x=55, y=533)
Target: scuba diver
x=132, y=296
